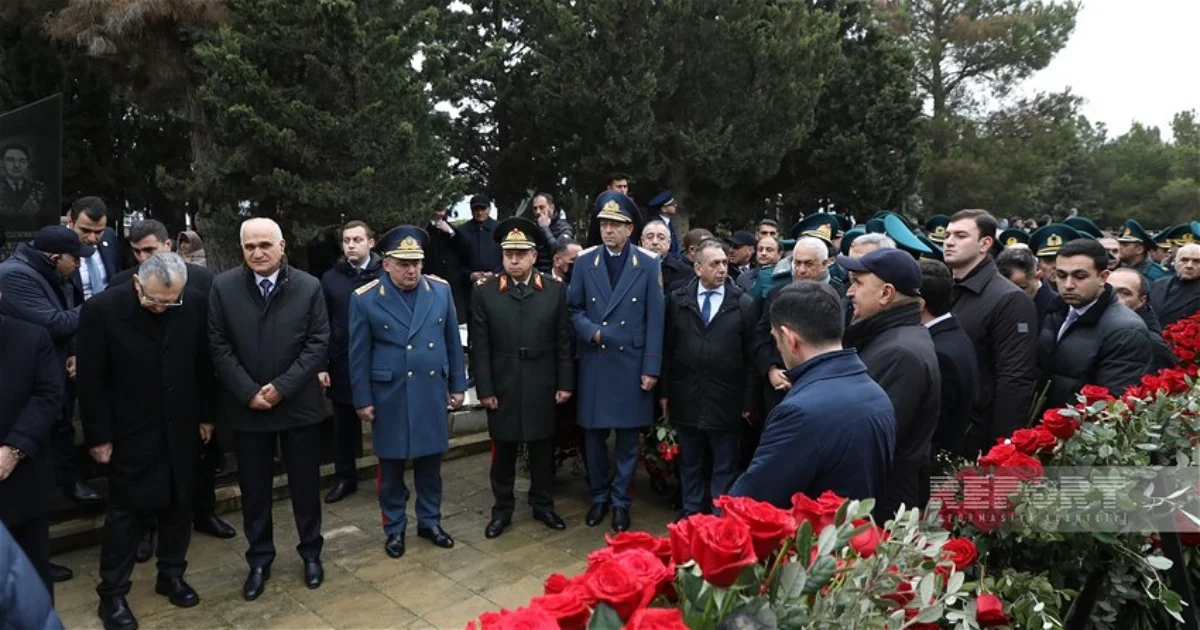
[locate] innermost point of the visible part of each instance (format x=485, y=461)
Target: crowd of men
x=842, y=358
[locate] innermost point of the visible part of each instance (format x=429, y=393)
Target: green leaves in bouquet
x=605, y=618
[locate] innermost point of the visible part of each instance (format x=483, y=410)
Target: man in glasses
x=147, y=238
x=147, y=390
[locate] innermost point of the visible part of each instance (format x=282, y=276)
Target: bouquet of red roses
x=820, y=564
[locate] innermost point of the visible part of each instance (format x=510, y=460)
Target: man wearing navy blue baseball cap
x=885, y=287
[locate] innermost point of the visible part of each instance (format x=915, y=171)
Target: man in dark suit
x=676, y=271
x=522, y=354
x=147, y=238
x=482, y=252
x=152, y=330
x=30, y=403
x=446, y=259
x=1021, y=267
x=269, y=336
x=357, y=266
x=88, y=217
x=711, y=396
x=1178, y=297
x=36, y=287
x=1132, y=288
x=955, y=355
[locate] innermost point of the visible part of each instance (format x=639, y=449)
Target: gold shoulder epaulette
x=589, y=250
x=367, y=287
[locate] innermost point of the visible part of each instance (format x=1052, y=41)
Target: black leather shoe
x=255, y=583
x=341, y=490
x=83, y=494
x=314, y=573
x=59, y=573
x=212, y=525
x=549, y=519
x=394, y=545
x=596, y=513
x=145, y=547
x=437, y=535
x=115, y=614
x=620, y=519
x=179, y=593
x=496, y=526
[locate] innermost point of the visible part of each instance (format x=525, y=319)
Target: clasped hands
x=266, y=398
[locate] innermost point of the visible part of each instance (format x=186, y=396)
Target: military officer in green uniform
x=522, y=357
x=1136, y=245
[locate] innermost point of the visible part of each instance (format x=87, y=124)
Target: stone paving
x=427, y=588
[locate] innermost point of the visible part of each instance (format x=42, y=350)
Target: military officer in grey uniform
x=617, y=308
x=406, y=363
x=522, y=359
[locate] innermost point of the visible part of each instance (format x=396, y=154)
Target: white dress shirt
x=715, y=300
x=937, y=320
x=85, y=276
x=1080, y=312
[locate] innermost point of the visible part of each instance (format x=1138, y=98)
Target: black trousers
x=504, y=475
x=62, y=441
x=301, y=450
x=123, y=528
x=347, y=442
x=708, y=465
x=204, y=499
x=33, y=536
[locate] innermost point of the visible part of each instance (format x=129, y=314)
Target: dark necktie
x=265, y=285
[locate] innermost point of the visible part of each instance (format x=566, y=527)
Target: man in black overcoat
x=146, y=392
x=31, y=395
x=1178, y=297
x=522, y=360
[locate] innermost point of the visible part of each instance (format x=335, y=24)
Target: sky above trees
x=1128, y=60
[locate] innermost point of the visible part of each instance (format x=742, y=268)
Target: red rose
x=680, y=536
x=989, y=611
x=625, y=541
x=656, y=619
x=1095, y=393
x=1059, y=425
x=961, y=551
x=768, y=524
x=556, y=583
x=617, y=585
x=998, y=454
x=722, y=547
x=1032, y=441
x=818, y=513
x=1174, y=380
x=570, y=608
x=1152, y=383
x=520, y=619
x=865, y=542
x=649, y=568
x=1022, y=467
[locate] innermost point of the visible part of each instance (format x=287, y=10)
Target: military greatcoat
x=521, y=353
x=630, y=318
x=405, y=362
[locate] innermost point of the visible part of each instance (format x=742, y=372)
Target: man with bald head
x=269, y=333
x=1178, y=297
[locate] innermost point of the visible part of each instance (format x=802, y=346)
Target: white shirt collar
x=273, y=278
x=1084, y=309
x=939, y=319
x=616, y=254
x=717, y=292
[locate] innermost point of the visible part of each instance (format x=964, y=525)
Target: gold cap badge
x=612, y=212
x=516, y=239
x=408, y=249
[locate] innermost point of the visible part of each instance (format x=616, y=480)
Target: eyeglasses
x=149, y=301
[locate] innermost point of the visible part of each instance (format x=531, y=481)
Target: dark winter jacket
x=1109, y=345
x=336, y=285
x=960, y=384
x=708, y=379
x=1173, y=299
x=31, y=402
x=1002, y=323
x=24, y=602
x=899, y=354
x=34, y=292
x=445, y=257
x=282, y=340
x=480, y=246
x=1163, y=357
x=835, y=430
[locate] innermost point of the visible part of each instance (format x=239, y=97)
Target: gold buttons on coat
x=410, y=373
x=603, y=323
x=622, y=323
x=440, y=320
x=634, y=299
x=432, y=372
x=410, y=346
x=385, y=327
x=430, y=344
x=603, y=347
